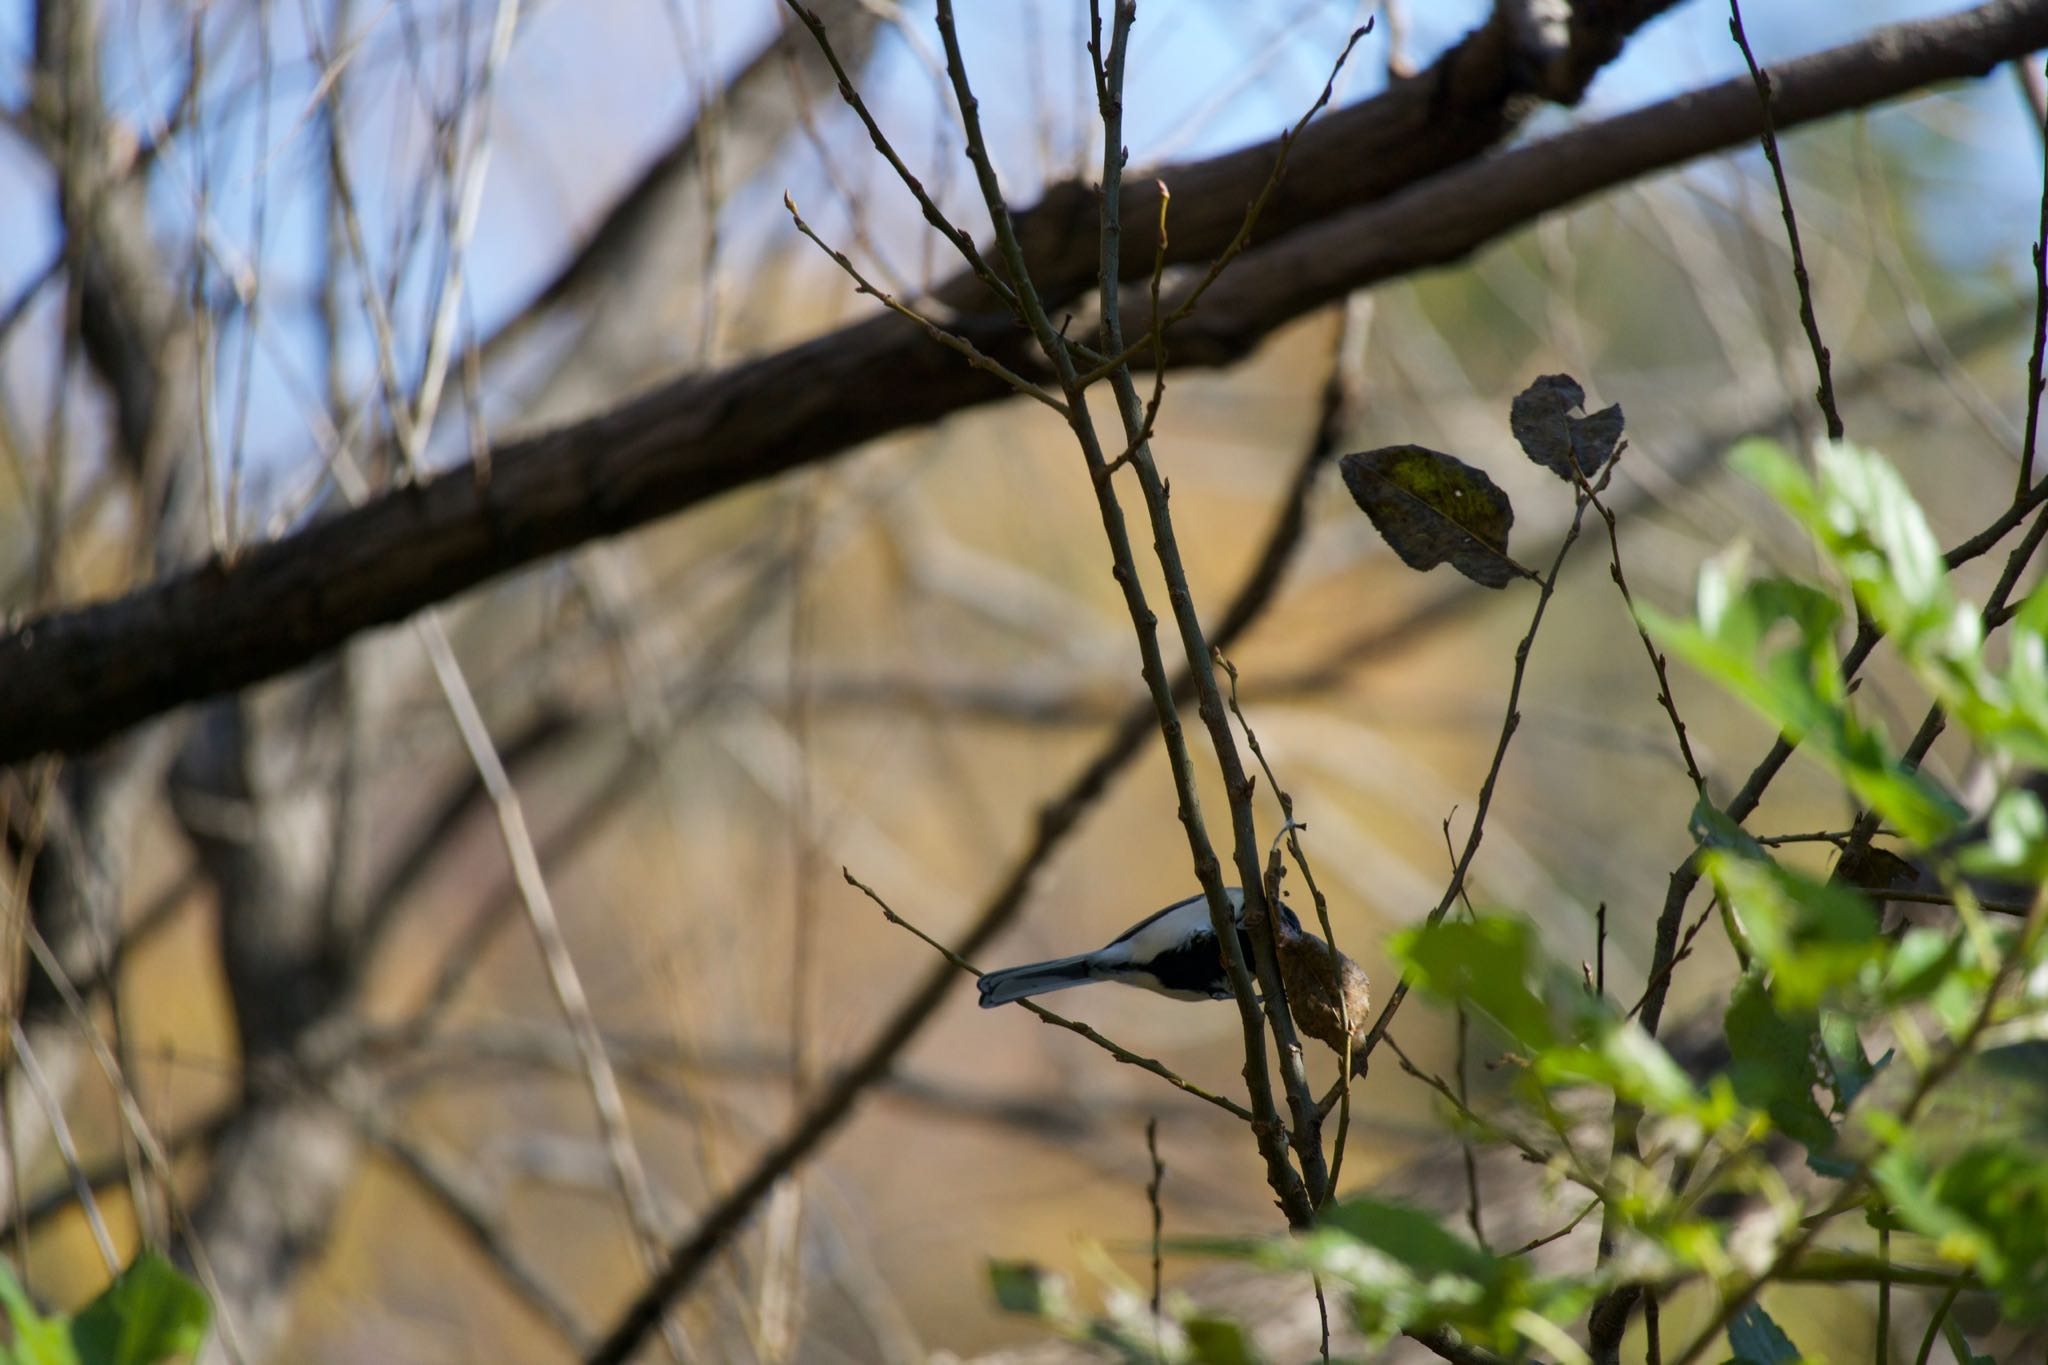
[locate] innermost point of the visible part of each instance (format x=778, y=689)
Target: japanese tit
x=1174, y=952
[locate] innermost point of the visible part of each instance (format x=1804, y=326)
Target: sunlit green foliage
x=149, y=1313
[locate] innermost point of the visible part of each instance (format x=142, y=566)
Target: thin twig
x=1657, y=663
x=952, y=341
x=1822, y=361
x=1306, y=1135
x=1948, y=1301
x=1057, y=819
x=1291, y=830
x=447, y=1190
x=1494, y=1132
x=1567, y=1230
x=145, y=1138
x=1881, y=1352
x=1121, y=357
x=1460, y=1066
x=60, y=1131
x=1152, y=1188
x=1122, y=1054
x=1509, y=725
x=628, y=1172
x=2034, y=358
x=962, y=242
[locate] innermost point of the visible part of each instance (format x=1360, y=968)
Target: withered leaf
x=1874, y=869
x=1432, y=507
x=1541, y=418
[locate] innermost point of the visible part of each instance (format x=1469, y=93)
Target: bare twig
x=448, y=1191
x=1509, y=725
x=962, y=242
x=635, y=1190
x=1306, y=1119
x=1934, y=1322
x=1822, y=361
x=2032, y=433
x=1122, y=1054
x=53, y=1111
x=950, y=340
x=1152, y=1188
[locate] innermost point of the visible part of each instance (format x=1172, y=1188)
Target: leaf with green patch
x=1434, y=508
x=1568, y=446
x=1756, y=1339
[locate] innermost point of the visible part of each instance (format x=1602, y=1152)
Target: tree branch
x=70, y=680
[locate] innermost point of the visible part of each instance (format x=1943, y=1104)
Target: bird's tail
x=1035, y=978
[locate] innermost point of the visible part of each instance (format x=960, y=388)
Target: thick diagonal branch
x=70, y=680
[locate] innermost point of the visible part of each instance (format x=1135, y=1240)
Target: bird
x=1174, y=953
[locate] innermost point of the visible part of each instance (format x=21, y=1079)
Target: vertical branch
x=1158, y=1218
x=2034, y=379
x=1301, y=1101
x=1822, y=361
x=1269, y=1130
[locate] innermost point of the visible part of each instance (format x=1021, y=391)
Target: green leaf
x=149, y=1312
x=1027, y=1287
x=1773, y=1065
x=1849, y=1067
x=37, y=1340
x=1815, y=937
x=1863, y=515
x=1411, y=1236
x=1434, y=508
x=2015, y=842
x=1218, y=1341
x=1986, y=1208
x=1711, y=827
x=1618, y=1054
x=1486, y=963
x=1878, y=535
x=1923, y=960
x=1757, y=1340
x=1770, y=643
